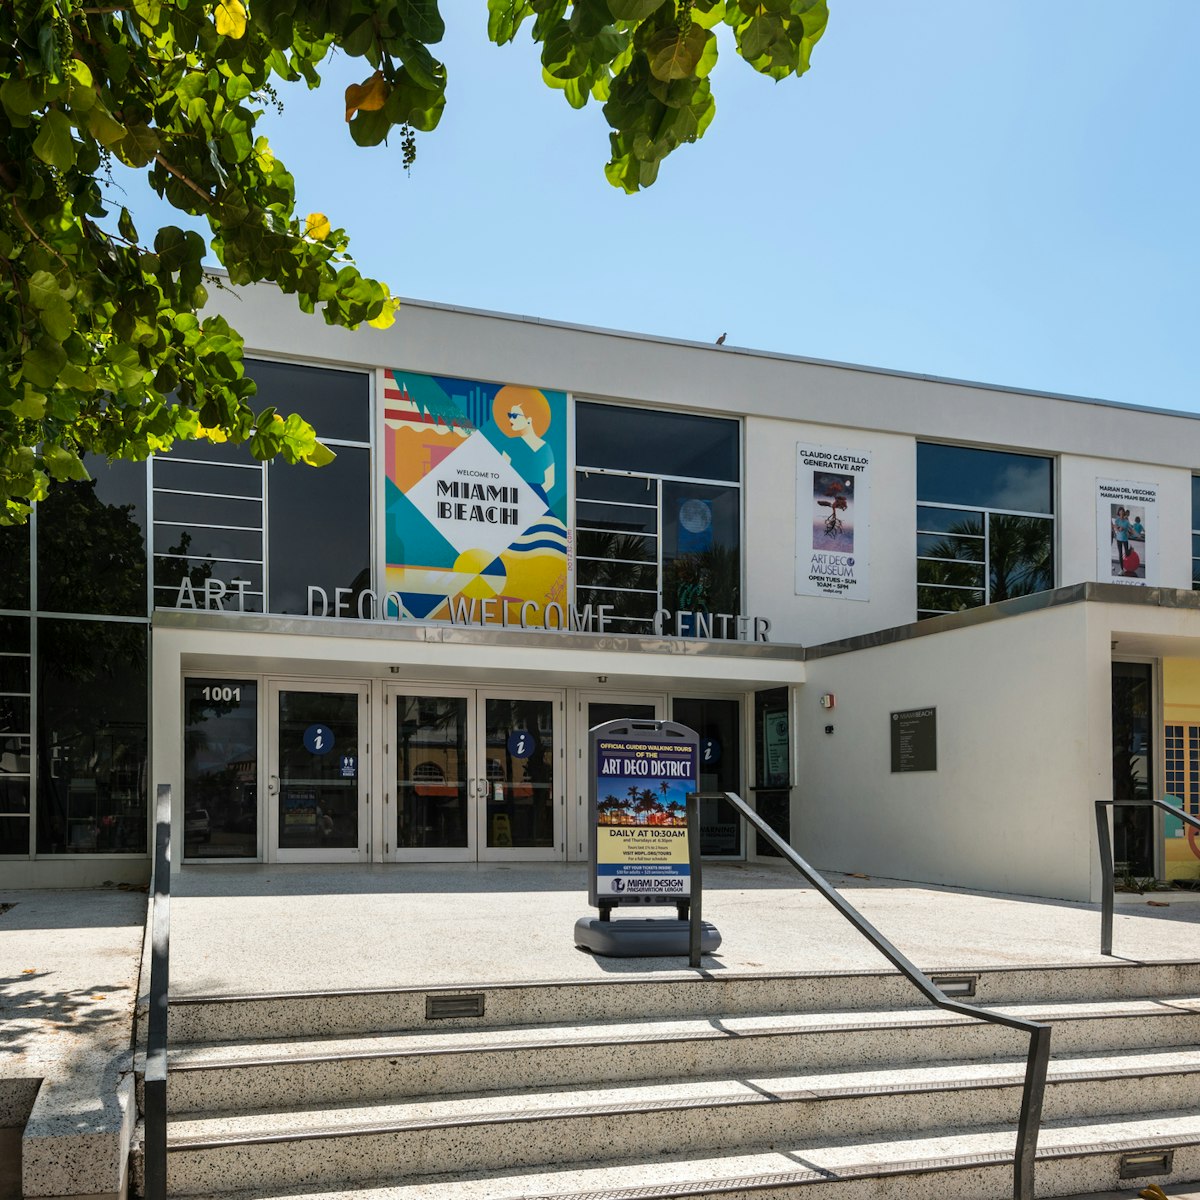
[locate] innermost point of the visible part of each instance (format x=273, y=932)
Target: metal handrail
x=1107, y=876
x=155, y=1148
x=1038, y=1058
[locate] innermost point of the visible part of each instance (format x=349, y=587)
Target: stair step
x=971, y=1164
x=253, y=1075
x=509, y=1130
x=679, y=995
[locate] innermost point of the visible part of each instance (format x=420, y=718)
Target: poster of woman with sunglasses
x=476, y=496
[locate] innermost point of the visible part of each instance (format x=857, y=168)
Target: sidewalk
x=245, y=930
x=68, y=986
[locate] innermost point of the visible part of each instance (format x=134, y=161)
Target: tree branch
x=33, y=233
x=162, y=162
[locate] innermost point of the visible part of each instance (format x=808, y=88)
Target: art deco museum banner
x=832, y=522
x=1127, y=532
x=476, y=503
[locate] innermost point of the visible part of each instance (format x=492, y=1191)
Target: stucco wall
x=1019, y=707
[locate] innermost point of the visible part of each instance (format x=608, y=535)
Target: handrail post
x=695, y=916
x=156, y=1033
x=1025, y=1160
x=1107, y=879
x=1029, y=1125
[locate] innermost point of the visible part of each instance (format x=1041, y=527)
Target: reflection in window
x=218, y=511
x=220, y=776
x=431, y=772
x=91, y=542
x=208, y=519
x=718, y=722
x=1196, y=532
x=969, y=551
x=319, y=529
x=91, y=737
x=15, y=732
x=646, y=541
x=14, y=577
x=1133, y=767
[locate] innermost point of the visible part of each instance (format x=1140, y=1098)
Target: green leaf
x=58, y=320
x=30, y=405
x=126, y=227
x=20, y=97
x=41, y=365
x=54, y=144
x=370, y=128
x=359, y=36
x=505, y=18
x=422, y=66
x=319, y=456
x=422, y=20
x=103, y=126
x=138, y=147
x=673, y=55
x=633, y=10
x=48, y=50
x=63, y=463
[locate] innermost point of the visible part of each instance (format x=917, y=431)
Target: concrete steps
x=975, y=1165
x=755, y=1085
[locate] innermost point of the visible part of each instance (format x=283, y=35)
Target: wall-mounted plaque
x=914, y=740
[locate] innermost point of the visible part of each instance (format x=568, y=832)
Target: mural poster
x=476, y=503
x=832, y=522
x=1127, y=532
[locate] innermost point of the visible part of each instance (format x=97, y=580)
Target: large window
x=985, y=527
x=73, y=670
x=657, y=513
x=267, y=533
x=92, y=743
x=16, y=729
x=91, y=542
x=1196, y=532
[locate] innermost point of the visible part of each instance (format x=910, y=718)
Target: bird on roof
x=721, y=340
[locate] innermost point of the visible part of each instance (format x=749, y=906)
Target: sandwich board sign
x=640, y=775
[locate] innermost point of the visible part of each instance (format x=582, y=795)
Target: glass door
x=429, y=793
x=472, y=775
x=520, y=788
x=316, y=787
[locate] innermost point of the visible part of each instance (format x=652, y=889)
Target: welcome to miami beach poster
x=476, y=503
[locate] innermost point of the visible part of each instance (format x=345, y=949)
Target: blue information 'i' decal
x=318, y=739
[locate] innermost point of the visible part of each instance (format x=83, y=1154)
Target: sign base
x=646, y=938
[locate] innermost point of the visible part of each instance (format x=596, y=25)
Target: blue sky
x=996, y=193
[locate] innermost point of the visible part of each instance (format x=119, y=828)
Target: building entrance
x=317, y=797
x=472, y=775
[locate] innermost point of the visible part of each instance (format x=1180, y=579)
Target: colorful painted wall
x=476, y=504
x=1181, y=762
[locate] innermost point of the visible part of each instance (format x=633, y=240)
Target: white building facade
x=922, y=624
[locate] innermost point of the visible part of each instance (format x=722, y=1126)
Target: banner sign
x=1127, y=532
x=476, y=498
x=642, y=772
x=832, y=522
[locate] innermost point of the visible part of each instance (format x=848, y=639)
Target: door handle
x=272, y=784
